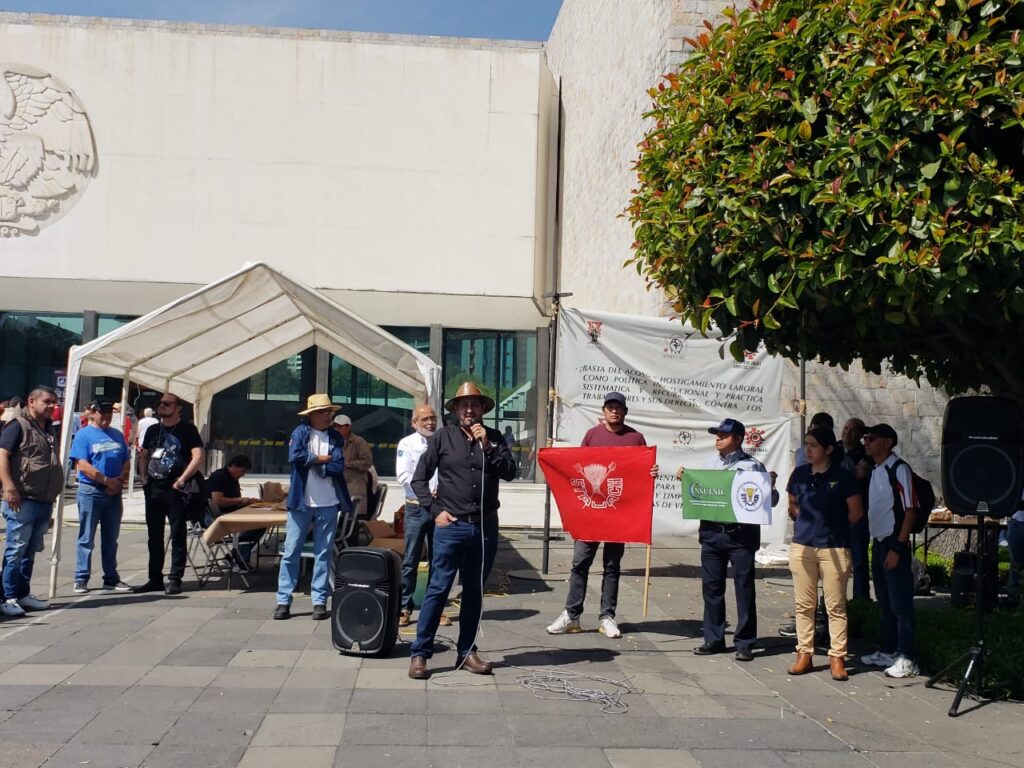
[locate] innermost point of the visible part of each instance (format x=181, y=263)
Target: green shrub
x=943, y=633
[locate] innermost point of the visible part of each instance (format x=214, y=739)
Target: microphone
x=474, y=422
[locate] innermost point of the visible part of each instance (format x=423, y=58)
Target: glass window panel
x=34, y=348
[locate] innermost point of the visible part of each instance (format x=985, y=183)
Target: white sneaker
x=563, y=625
x=609, y=628
x=11, y=608
x=902, y=667
x=878, y=659
x=33, y=603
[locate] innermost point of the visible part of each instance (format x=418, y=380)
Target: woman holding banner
x=824, y=500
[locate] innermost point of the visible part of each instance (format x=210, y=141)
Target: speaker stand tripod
x=973, y=677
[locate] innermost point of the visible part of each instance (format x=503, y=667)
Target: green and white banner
x=726, y=496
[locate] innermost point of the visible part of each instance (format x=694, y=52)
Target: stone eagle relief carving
x=47, y=149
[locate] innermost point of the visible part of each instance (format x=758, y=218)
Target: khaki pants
x=832, y=567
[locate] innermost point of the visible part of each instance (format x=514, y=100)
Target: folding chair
x=343, y=529
x=220, y=554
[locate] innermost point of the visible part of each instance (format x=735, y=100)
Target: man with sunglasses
x=172, y=454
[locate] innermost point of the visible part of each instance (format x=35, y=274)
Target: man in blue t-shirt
x=101, y=458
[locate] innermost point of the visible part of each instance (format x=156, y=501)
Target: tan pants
x=832, y=566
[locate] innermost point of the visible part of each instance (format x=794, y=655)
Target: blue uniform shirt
x=105, y=449
x=823, y=518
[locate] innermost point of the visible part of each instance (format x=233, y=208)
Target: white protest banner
x=677, y=387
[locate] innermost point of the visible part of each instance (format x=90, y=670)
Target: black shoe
x=283, y=612
x=173, y=587
x=789, y=630
x=744, y=654
x=707, y=649
x=150, y=586
x=319, y=612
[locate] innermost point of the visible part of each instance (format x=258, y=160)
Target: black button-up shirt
x=457, y=459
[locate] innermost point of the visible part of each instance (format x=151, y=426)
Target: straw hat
x=469, y=389
x=318, y=403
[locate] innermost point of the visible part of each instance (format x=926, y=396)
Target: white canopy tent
x=229, y=330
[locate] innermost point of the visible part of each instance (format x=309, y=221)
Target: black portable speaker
x=366, y=601
x=982, y=455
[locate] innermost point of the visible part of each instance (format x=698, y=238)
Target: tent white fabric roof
x=231, y=329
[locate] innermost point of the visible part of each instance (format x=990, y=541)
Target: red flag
x=603, y=494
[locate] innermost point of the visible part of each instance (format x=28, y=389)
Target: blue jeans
x=419, y=527
x=457, y=547
x=95, y=507
x=325, y=522
x=894, y=591
x=1015, y=539
x=25, y=531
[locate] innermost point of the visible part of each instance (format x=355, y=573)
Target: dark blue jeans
x=859, y=539
x=97, y=508
x=894, y=591
x=419, y=525
x=717, y=550
x=25, y=531
x=457, y=548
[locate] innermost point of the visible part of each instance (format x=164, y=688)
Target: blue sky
x=508, y=19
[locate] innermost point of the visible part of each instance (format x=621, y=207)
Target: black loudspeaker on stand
x=982, y=462
x=366, y=601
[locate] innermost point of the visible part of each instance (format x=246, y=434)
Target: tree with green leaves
x=842, y=179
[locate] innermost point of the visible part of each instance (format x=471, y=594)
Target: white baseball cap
x=342, y=420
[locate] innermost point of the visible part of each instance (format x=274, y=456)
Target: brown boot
x=418, y=668
x=405, y=618
x=804, y=664
x=838, y=666
x=474, y=664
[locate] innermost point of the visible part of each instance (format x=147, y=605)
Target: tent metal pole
x=70, y=400
x=552, y=397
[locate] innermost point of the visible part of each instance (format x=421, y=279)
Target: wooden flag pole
x=647, y=579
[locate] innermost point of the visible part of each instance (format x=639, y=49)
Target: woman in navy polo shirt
x=823, y=500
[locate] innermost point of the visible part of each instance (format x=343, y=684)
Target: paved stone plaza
x=207, y=679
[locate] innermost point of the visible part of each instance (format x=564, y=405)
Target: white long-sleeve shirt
x=410, y=448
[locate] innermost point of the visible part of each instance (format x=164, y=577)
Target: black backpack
x=922, y=490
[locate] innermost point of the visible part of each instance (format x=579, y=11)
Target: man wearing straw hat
x=469, y=459
x=316, y=493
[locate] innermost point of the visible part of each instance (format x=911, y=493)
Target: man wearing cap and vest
x=316, y=493
x=724, y=543
x=32, y=477
x=358, y=461
x=611, y=432
x=469, y=459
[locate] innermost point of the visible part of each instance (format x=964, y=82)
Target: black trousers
x=169, y=504
x=720, y=546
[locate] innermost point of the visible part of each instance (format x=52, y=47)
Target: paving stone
x=261, y=642
x=180, y=677
x=12, y=654
x=38, y=674
x=796, y=759
x=14, y=697
x=118, y=727
x=535, y=757
x=377, y=679
x=316, y=658
x=469, y=730
x=297, y=730
x=178, y=756
x=26, y=755
x=107, y=675
x=373, y=702
x=145, y=698
x=372, y=729
x=631, y=731
x=275, y=757
x=388, y=756
x=460, y=702
x=200, y=656
x=249, y=658
x=732, y=685
x=312, y=700
x=309, y=677
x=549, y=730
x=237, y=700
x=789, y=733
x=745, y=758
x=248, y=677
x=99, y=755
x=75, y=698
x=298, y=625
x=651, y=758
x=44, y=726
x=230, y=729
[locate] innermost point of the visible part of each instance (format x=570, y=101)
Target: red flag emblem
x=603, y=494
